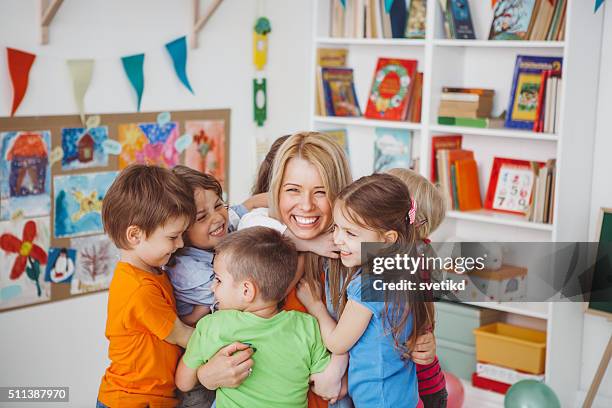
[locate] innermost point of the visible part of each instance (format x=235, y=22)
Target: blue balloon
x=531, y=394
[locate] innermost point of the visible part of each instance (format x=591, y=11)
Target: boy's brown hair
x=263, y=255
x=197, y=179
x=145, y=196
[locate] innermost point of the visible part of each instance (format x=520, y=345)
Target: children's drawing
x=207, y=152
x=78, y=203
x=23, y=258
x=96, y=260
x=148, y=143
x=84, y=148
x=26, y=172
x=60, y=267
x=392, y=149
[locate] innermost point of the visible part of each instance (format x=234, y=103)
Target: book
x=337, y=18
x=416, y=100
x=468, y=185
x=455, y=194
x=542, y=20
x=504, y=375
x=476, y=91
x=511, y=186
x=417, y=19
x=392, y=149
x=526, y=82
x=390, y=89
x=385, y=20
x=488, y=384
x=398, y=15
x=341, y=137
x=512, y=20
x=327, y=57
x=556, y=20
x=448, y=142
x=339, y=90
x=538, y=122
x=461, y=19
x=484, y=123
x=446, y=17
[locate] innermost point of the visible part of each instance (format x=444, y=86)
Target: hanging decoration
x=19, y=65
x=260, y=95
x=81, y=72
x=260, y=101
x=598, y=4
x=133, y=69
x=178, y=52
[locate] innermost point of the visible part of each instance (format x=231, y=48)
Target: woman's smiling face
x=303, y=204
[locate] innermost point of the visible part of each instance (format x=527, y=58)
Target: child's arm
x=424, y=352
x=340, y=337
x=198, y=312
x=180, y=334
x=328, y=383
x=256, y=201
x=186, y=378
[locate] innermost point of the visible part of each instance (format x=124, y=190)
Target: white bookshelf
x=490, y=64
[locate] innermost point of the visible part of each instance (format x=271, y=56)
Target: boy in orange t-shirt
x=145, y=212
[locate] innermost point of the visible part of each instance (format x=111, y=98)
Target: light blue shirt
x=191, y=272
x=377, y=376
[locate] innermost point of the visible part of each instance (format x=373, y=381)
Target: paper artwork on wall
x=148, y=143
x=60, y=266
x=25, y=172
x=22, y=262
x=97, y=257
x=84, y=148
x=207, y=151
x=78, y=203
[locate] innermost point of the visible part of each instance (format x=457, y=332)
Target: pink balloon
x=454, y=387
x=420, y=404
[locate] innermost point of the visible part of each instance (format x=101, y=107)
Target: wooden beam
x=200, y=21
x=47, y=12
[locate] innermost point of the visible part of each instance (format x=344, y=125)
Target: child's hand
x=326, y=389
x=256, y=201
x=309, y=296
x=424, y=351
x=322, y=245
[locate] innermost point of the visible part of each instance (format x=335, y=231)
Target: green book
x=446, y=120
x=454, y=187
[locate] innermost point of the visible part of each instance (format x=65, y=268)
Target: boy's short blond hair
x=262, y=255
x=145, y=196
x=431, y=206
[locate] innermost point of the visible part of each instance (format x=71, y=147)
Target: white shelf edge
x=499, y=219
x=371, y=41
x=509, y=133
x=514, y=307
x=498, y=44
x=359, y=121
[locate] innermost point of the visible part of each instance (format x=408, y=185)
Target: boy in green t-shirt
x=253, y=270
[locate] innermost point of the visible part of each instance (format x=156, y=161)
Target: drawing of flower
x=25, y=249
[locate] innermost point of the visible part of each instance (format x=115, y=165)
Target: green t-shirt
x=289, y=349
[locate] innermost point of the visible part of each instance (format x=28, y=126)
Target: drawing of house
x=86, y=146
x=29, y=158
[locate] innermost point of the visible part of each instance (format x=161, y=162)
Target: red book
x=450, y=142
x=538, y=123
x=391, y=89
x=491, y=385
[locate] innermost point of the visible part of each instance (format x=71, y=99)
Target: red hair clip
x=412, y=212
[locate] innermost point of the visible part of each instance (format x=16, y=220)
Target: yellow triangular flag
x=80, y=71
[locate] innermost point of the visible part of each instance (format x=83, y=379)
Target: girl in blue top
x=376, y=209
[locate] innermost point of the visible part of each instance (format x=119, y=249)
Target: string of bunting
x=81, y=72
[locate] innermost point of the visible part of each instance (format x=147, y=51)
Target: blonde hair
x=431, y=206
x=329, y=159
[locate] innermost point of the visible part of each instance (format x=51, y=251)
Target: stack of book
x=457, y=20
x=542, y=206
x=535, y=20
x=467, y=107
x=377, y=18
x=499, y=379
x=549, y=102
x=335, y=90
x=455, y=172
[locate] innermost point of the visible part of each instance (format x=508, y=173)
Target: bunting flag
x=19, y=64
x=133, y=69
x=80, y=71
x=598, y=4
x=178, y=53
x=388, y=4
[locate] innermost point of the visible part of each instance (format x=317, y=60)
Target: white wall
x=63, y=343
x=597, y=330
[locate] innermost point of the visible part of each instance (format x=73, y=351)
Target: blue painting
x=392, y=149
x=25, y=182
x=78, y=203
x=84, y=148
x=60, y=265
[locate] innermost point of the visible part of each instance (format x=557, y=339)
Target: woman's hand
x=228, y=368
x=322, y=245
x=424, y=351
x=308, y=295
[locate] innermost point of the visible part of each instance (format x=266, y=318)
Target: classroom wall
x=63, y=344
x=597, y=330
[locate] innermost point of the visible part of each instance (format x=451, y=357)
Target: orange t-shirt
x=293, y=303
x=141, y=313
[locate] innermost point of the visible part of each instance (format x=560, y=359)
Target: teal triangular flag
x=178, y=52
x=133, y=69
x=388, y=4
x=598, y=3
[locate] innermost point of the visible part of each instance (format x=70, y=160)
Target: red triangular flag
x=19, y=64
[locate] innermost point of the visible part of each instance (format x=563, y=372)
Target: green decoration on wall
x=260, y=101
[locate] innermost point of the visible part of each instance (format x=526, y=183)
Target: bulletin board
x=601, y=296
x=54, y=174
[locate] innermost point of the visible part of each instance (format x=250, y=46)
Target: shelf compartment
x=370, y=41
x=498, y=218
x=492, y=132
x=360, y=121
